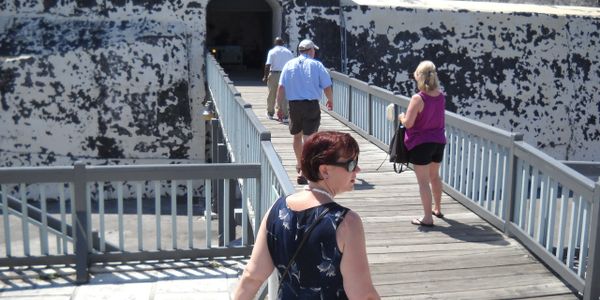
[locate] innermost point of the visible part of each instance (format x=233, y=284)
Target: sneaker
x=270, y=116
x=285, y=120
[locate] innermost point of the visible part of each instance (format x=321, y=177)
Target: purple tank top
x=429, y=124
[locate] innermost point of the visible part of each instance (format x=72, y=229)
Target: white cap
x=307, y=44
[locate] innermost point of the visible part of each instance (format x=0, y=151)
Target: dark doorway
x=239, y=33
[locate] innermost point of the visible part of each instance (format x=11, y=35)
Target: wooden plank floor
x=462, y=257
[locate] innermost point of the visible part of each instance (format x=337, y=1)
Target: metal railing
x=149, y=206
x=247, y=139
x=550, y=208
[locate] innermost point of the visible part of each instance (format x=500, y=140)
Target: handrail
x=512, y=185
x=248, y=140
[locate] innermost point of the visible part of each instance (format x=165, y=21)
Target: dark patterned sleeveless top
x=315, y=273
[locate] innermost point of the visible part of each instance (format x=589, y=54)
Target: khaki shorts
x=305, y=116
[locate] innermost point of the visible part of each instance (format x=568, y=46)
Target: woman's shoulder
x=352, y=217
x=277, y=206
x=350, y=228
x=351, y=221
x=337, y=210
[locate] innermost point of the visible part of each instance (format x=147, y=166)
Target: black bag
x=398, y=151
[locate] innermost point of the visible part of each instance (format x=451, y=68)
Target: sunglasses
x=348, y=165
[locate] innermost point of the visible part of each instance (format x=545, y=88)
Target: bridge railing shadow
x=479, y=233
x=44, y=277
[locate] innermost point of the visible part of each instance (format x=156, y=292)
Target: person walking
x=303, y=80
x=276, y=59
x=425, y=139
x=316, y=245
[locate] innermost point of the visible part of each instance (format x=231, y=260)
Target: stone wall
x=522, y=68
x=122, y=81
x=118, y=81
x=589, y=3
x=318, y=20
x=104, y=81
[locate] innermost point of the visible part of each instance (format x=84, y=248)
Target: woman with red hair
x=317, y=245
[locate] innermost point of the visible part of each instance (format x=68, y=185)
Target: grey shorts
x=305, y=116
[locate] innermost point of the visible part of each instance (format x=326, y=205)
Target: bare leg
x=436, y=186
x=422, y=173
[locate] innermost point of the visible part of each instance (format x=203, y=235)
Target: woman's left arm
x=414, y=108
x=354, y=265
x=259, y=268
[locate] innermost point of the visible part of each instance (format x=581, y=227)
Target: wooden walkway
x=462, y=257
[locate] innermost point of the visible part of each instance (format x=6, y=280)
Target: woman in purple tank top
x=425, y=139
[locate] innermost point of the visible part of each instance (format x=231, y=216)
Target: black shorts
x=426, y=153
x=305, y=116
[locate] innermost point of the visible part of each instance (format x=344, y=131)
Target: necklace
x=320, y=191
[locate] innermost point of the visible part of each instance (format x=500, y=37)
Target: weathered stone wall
x=528, y=69
x=101, y=80
x=318, y=20
x=595, y=3
x=123, y=80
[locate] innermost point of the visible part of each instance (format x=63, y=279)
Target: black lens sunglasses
x=349, y=165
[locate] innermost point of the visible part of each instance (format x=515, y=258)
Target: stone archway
x=240, y=32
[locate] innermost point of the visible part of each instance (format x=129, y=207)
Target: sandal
x=419, y=222
x=439, y=215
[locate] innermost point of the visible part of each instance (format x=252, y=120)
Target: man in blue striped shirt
x=303, y=80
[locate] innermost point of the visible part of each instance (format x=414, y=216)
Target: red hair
x=326, y=147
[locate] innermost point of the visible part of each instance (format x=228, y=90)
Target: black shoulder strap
x=306, y=234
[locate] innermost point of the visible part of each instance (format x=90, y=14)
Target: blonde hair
x=426, y=76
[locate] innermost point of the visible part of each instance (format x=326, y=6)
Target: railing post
x=592, y=278
x=230, y=215
x=81, y=224
x=258, y=210
x=509, y=183
x=219, y=155
x=370, y=112
x=350, y=103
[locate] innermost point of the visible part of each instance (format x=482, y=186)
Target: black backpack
x=397, y=150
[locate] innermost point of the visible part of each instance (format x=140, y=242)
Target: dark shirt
x=315, y=273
